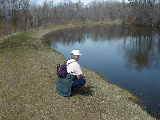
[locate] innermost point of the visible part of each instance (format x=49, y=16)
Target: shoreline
x=35, y=67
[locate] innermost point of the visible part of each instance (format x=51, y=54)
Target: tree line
x=18, y=15
x=145, y=12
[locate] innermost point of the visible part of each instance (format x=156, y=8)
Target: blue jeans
x=78, y=84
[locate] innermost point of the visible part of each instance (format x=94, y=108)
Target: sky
x=57, y=1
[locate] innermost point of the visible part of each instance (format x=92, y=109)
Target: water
x=128, y=57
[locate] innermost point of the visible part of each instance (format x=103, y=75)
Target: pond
x=128, y=57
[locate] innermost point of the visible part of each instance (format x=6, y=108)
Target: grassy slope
x=27, y=77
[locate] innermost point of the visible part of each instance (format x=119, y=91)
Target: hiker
x=74, y=79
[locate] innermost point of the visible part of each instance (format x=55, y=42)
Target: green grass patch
x=17, y=40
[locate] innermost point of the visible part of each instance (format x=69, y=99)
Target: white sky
x=57, y=1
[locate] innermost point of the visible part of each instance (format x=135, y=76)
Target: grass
x=27, y=82
x=18, y=40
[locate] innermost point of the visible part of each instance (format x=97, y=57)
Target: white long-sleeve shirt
x=73, y=67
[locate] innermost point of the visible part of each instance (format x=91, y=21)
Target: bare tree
x=139, y=12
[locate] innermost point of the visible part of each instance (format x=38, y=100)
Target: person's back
x=74, y=79
x=73, y=67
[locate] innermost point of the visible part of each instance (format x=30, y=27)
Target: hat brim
x=77, y=54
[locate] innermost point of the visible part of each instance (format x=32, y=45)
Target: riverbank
x=27, y=81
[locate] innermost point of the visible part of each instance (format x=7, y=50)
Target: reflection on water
x=142, y=51
x=126, y=56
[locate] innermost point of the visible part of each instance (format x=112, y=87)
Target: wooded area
x=18, y=15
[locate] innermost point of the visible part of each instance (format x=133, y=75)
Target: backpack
x=62, y=70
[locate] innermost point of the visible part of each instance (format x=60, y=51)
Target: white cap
x=76, y=52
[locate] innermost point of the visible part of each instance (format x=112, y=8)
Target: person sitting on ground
x=74, y=79
x=74, y=69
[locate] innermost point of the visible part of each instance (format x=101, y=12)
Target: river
x=127, y=57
